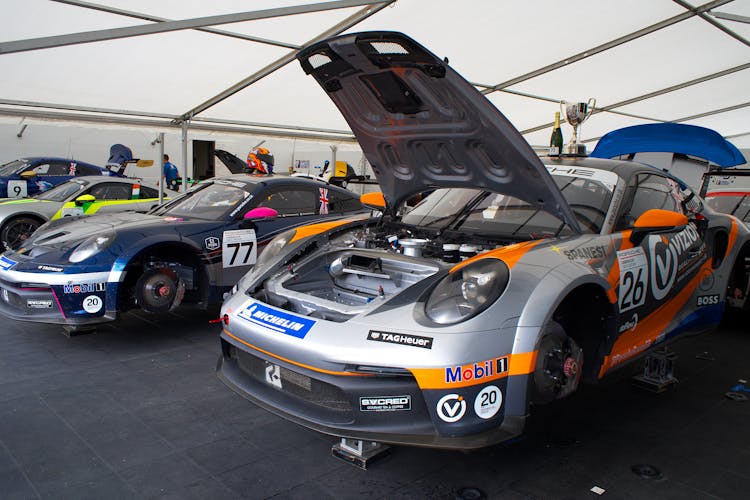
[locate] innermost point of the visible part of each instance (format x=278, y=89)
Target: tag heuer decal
x=401, y=339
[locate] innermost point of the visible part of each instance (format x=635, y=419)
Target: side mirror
x=144, y=163
x=656, y=220
x=374, y=200
x=83, y=199
x=29, y=174
x=259, y=213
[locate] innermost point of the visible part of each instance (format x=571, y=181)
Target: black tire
x=17, y=230
x=559, y=365
x=159, y=290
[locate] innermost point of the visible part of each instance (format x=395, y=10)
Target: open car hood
x=421, y=125
x=234, y=164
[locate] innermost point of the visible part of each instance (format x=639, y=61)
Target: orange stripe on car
x=510, y=254
x=476, y=373
x=633, y=342
x=296, y=363
x=313, y=229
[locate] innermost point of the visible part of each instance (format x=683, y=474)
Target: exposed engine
x=360, y=269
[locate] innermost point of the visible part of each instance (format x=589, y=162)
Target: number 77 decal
x=239, y=248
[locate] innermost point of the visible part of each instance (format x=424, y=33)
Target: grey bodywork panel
x=422, y=125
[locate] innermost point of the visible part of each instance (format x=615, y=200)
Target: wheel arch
x=561, y=299
x=175, y=251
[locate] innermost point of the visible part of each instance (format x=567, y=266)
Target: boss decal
x=708, y=300
x=451, y=408
x=385, y=403
x=278, y=321
x=85, y=288
x=400, y=338
x=476, y=371
x=239, y=248
x=212, y=243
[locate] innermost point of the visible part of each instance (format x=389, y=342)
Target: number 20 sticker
x=239, y=248
x=92, y=304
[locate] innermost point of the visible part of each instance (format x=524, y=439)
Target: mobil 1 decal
x=652, y=272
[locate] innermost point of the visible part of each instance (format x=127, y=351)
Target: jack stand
x=359, y=453
x=658, y=371
x=76, y=330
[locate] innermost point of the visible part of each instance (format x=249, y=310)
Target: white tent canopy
x=229, y=63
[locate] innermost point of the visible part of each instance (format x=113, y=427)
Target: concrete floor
x=136, y=411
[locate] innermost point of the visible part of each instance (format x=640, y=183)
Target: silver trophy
x=575, y=114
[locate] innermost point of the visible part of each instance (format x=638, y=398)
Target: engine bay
x=360, y=269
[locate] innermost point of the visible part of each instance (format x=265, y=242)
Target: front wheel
x=16, y=231
x=159, y=290
x=559, y=365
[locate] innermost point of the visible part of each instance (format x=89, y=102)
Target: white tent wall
x=91, y=142
x=644, y=61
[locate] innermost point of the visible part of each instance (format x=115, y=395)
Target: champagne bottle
x=556, y=139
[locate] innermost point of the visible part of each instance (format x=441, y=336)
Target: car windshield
x=208, y=201
x=62, y=191
x=737, y=204
x=10, y=168
x=492, y=214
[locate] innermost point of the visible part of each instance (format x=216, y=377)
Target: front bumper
x=57, y=298
x=384, y=408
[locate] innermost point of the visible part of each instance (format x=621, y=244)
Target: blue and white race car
x=80, y=271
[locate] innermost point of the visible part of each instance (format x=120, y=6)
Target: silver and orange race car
x=512, y=281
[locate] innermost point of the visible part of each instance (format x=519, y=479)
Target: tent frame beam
x=167, y=26
x=336, y=29
x=157, y=19
x=606, y=46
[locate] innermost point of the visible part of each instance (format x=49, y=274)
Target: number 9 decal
x=17, y=189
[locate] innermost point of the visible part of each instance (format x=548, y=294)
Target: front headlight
x=91, y=246
x=274, y=248
x=467, y=292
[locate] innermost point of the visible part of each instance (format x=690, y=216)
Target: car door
x=295, y=204
x=659, y=269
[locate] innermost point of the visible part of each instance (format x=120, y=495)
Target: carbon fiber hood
x=421, y=125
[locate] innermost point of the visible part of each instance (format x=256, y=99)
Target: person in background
x=170, y=174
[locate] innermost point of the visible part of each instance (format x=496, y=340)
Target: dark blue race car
x=80, y=271
x=29, y=176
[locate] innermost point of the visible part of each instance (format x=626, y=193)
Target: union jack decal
x=323, y=200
